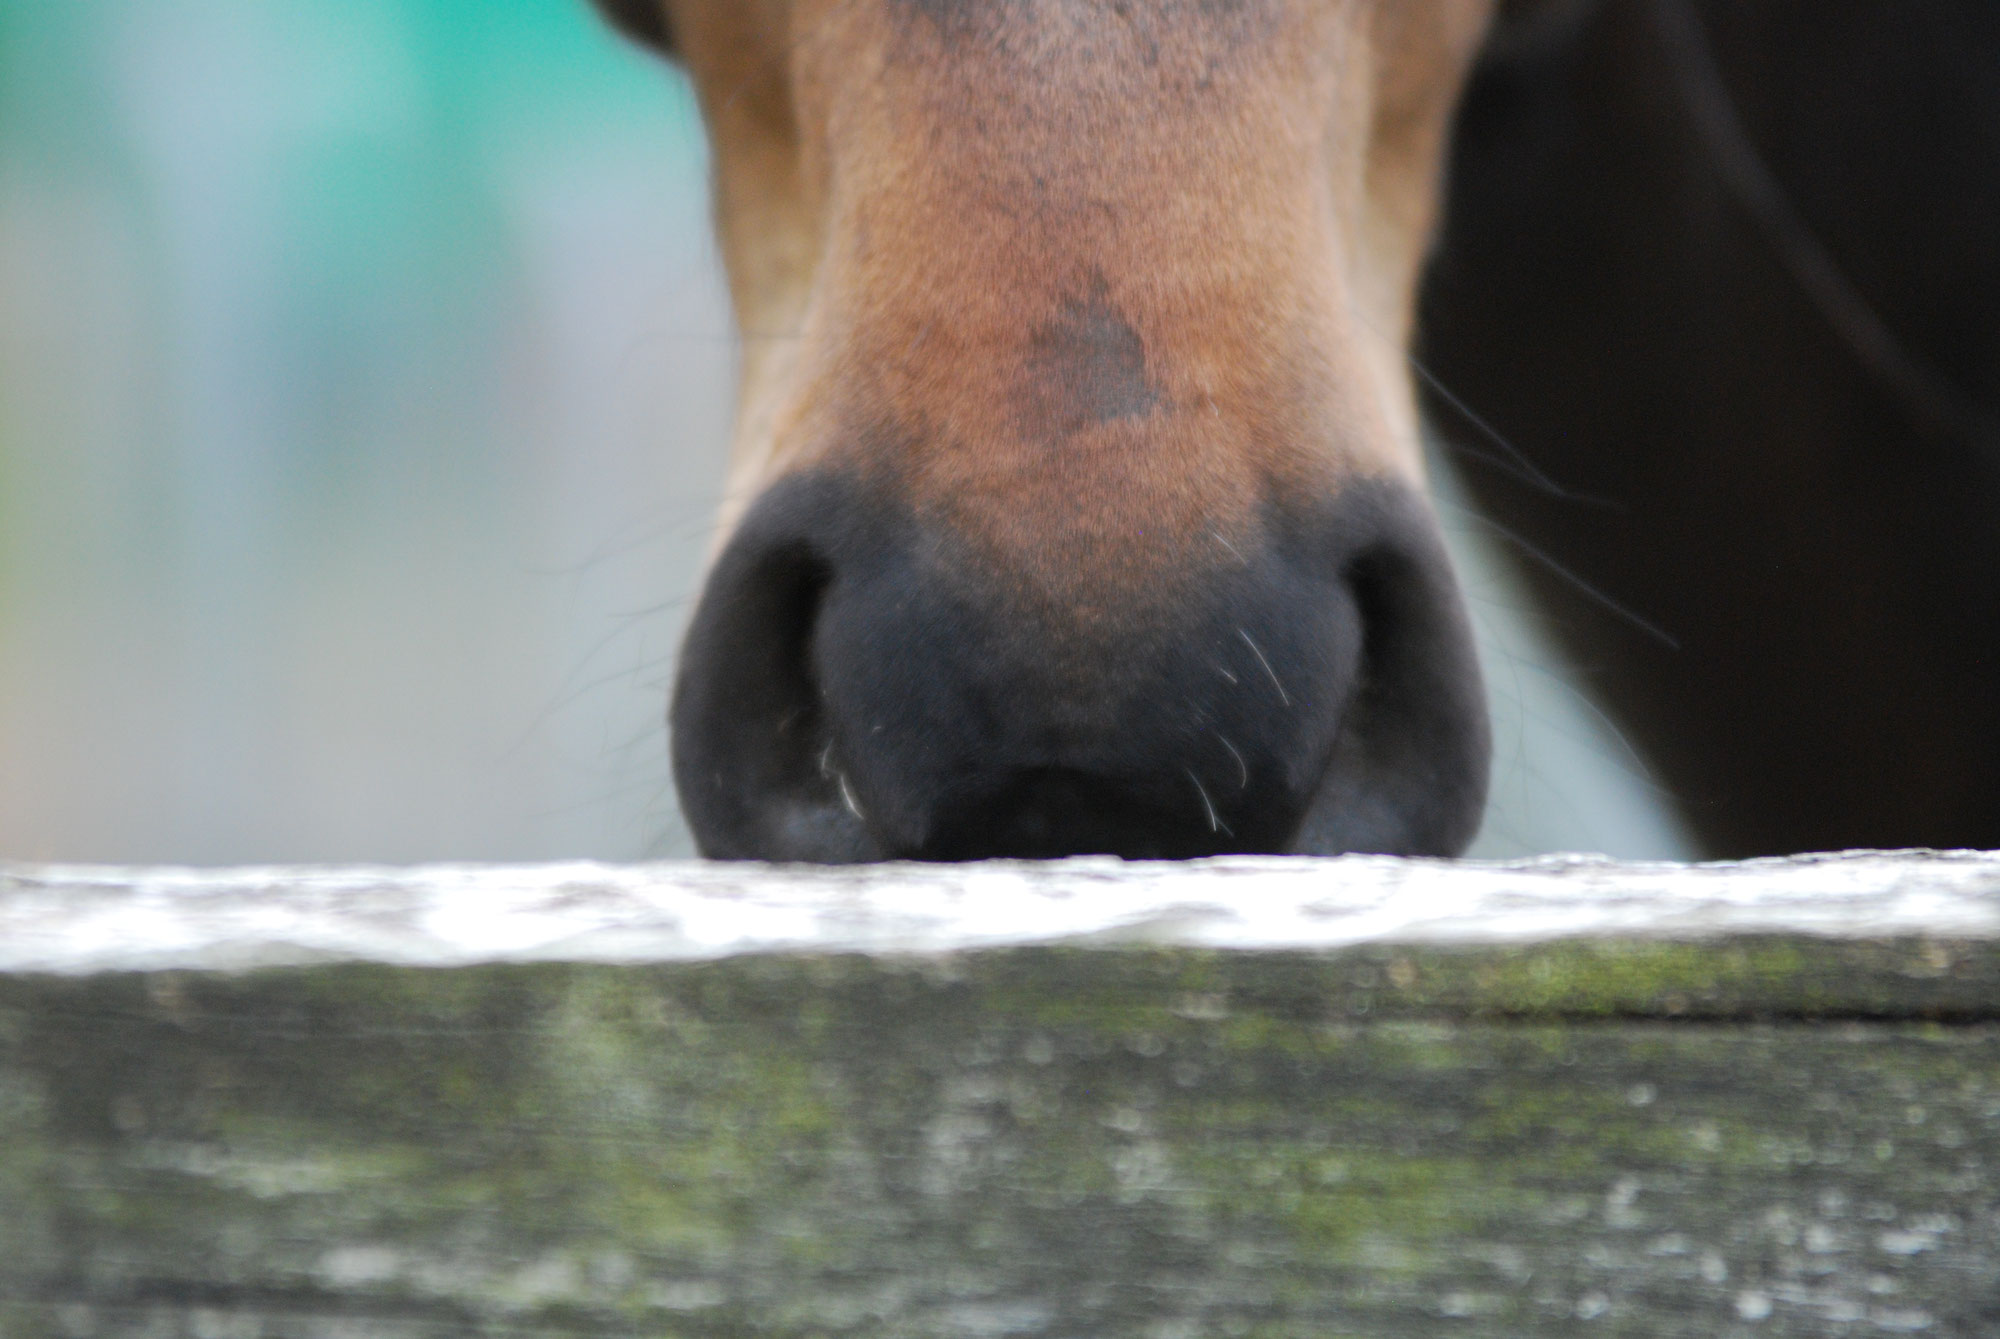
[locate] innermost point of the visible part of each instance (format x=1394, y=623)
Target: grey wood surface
x=1304, y=1098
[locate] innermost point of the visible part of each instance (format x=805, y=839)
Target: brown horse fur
x=1086, y=287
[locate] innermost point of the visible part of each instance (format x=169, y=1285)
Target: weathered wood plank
x=604, y=1118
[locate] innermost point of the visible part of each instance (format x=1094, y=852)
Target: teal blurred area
x=363, y=368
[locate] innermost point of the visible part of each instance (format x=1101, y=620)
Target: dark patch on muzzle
x=1087, y=367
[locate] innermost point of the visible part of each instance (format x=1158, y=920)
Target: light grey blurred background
x=364, y=377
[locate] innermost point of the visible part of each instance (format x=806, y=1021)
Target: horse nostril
x=754, y=757
x=1408, y=773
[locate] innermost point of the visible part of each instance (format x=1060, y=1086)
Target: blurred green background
x=362, y=370
x=364, y=379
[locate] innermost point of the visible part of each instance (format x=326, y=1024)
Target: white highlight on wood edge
x=82, y=919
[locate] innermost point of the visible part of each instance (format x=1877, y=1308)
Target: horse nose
x=860, y=683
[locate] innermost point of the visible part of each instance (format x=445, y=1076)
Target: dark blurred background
x=1721, y=279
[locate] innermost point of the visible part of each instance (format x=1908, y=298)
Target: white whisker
x=1215, y=823
x=1258, y=652
x=847, y=797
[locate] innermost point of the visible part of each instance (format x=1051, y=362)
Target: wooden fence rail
x=1241, y=1098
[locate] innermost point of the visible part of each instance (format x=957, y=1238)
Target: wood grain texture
x=1688, y=1113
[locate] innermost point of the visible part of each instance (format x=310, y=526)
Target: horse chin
x=809, y=830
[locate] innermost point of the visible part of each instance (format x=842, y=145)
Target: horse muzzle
x=862, y=682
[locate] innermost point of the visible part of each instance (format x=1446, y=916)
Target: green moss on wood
x=1613, y=1139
